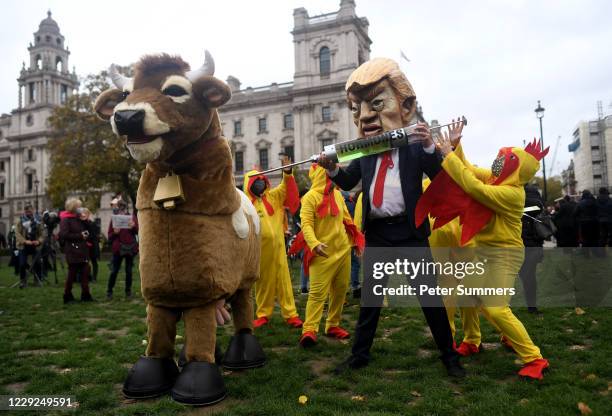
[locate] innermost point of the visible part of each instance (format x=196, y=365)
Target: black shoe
x=199, y=384
x=109, y=296
x=129, y=296
x=150, y=377
x=534, y=310
x=453, y=366
x=304, y=291
x=68, y=298
x=87, y=298
x=351, y=363
x=243, y=352
x=357, y=293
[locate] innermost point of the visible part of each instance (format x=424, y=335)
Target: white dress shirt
x=393, y=199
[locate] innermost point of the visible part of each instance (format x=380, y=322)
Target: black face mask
x=258, y=187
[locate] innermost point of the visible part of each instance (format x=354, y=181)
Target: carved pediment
x=327, y=134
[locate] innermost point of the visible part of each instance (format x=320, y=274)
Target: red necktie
x=379, y=186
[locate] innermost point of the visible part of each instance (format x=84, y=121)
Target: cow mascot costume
x=199, y=235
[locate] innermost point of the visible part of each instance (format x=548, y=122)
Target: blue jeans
x=355, y=266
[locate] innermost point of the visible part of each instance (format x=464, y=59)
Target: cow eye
x=174, y=91
x=124, y=95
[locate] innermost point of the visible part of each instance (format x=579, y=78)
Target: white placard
x=121, y=221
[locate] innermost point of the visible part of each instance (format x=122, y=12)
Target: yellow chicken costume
x=489, y=204
x=442, y=241
x=358, y=214
x=326, y=220
x=275, y=281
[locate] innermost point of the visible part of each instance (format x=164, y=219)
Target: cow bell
x=169, y=192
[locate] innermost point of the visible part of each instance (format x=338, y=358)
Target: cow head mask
x=165, y=107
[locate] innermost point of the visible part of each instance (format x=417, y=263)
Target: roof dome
x=49, y=25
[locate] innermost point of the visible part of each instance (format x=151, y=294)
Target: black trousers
x=116, y=266
x=380, y=234
x=533, y=255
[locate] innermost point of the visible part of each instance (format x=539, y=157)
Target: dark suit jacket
x=413, y=161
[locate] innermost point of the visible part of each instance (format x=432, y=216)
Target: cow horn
x=208, y=69
x=119, y=80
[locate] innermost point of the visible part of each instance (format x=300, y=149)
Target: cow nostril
x=129, y=122
x=129, y=116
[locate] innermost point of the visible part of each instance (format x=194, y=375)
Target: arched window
x=324, y=61
x=38, y=62
x=59, y=65
x=63, y=94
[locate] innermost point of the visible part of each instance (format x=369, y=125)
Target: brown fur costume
x=191, y=256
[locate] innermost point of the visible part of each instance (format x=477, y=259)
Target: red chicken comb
x=535, y=149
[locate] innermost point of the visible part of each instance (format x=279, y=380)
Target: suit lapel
x=370, y=170
x=403, y=162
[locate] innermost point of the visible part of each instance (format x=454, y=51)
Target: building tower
x=44, y=83
x=330, y=46
x=47, y=81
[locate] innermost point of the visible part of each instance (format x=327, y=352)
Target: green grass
x=85, y=350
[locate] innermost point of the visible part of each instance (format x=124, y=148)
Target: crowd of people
x=34, y=241
x=586, y=223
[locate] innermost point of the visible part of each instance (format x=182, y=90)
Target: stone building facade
x=591, y=150
x=299, y=117
x=44, y=83
x=296, y=118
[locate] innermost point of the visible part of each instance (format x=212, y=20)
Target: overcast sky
x=488, y=60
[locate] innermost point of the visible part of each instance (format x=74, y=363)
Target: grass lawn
x=85, y=350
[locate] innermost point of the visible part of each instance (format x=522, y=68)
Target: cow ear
x=106, y=102
x=212, y=91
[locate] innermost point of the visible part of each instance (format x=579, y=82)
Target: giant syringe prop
x=357, y=148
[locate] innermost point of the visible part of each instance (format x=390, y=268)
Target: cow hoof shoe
x=244, y=352
x=199, y=384
x=150, y=377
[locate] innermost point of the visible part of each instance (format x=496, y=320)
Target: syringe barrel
x=354, y=149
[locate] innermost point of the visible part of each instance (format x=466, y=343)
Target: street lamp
x=540, y=115
x=36, y=183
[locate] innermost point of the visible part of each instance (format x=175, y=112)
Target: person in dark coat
x=565, y=221
x=533, y=247
x=604, y=205
x=587, y=215
x=93, y=243
x=73, y=233
x=381, y=99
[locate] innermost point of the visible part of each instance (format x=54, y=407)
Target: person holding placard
x=122, y=232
